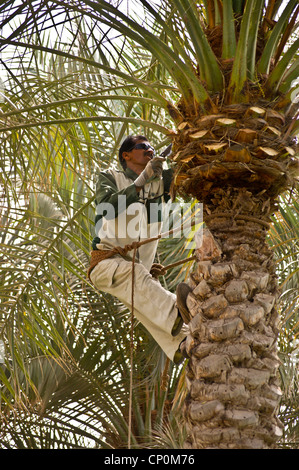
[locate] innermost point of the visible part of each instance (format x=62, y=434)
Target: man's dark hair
x=127, y=145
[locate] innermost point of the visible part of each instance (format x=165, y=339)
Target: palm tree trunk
x=232, y=381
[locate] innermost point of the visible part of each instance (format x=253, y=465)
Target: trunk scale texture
x=233, y=390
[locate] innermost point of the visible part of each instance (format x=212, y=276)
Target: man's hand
x=152, y=169
x=157, y=270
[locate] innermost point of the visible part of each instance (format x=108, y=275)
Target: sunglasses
x=142, y=146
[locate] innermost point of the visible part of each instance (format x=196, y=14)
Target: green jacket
x=123, y=215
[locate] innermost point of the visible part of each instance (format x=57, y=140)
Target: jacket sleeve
x=107, y=191
x=167, y=179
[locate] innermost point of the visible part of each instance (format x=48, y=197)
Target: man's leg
x=154, y=306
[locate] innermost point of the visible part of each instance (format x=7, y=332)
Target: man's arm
x=107, y=191
x=167, y=179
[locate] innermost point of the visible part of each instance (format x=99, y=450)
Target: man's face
x=139, y=156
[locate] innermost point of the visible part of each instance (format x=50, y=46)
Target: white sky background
x=127, y=6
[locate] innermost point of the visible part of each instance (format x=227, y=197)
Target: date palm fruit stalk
x=236, y=156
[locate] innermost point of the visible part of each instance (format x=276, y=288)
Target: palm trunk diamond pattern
x=229, y=165
x=232, y=375
x=233, y=389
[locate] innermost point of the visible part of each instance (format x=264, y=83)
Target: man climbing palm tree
x=120, y=195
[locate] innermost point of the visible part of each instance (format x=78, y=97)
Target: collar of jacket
x=130, y=174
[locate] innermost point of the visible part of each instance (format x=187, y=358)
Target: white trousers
x=154, y=306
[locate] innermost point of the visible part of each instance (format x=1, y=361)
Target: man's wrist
x=141, y=180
